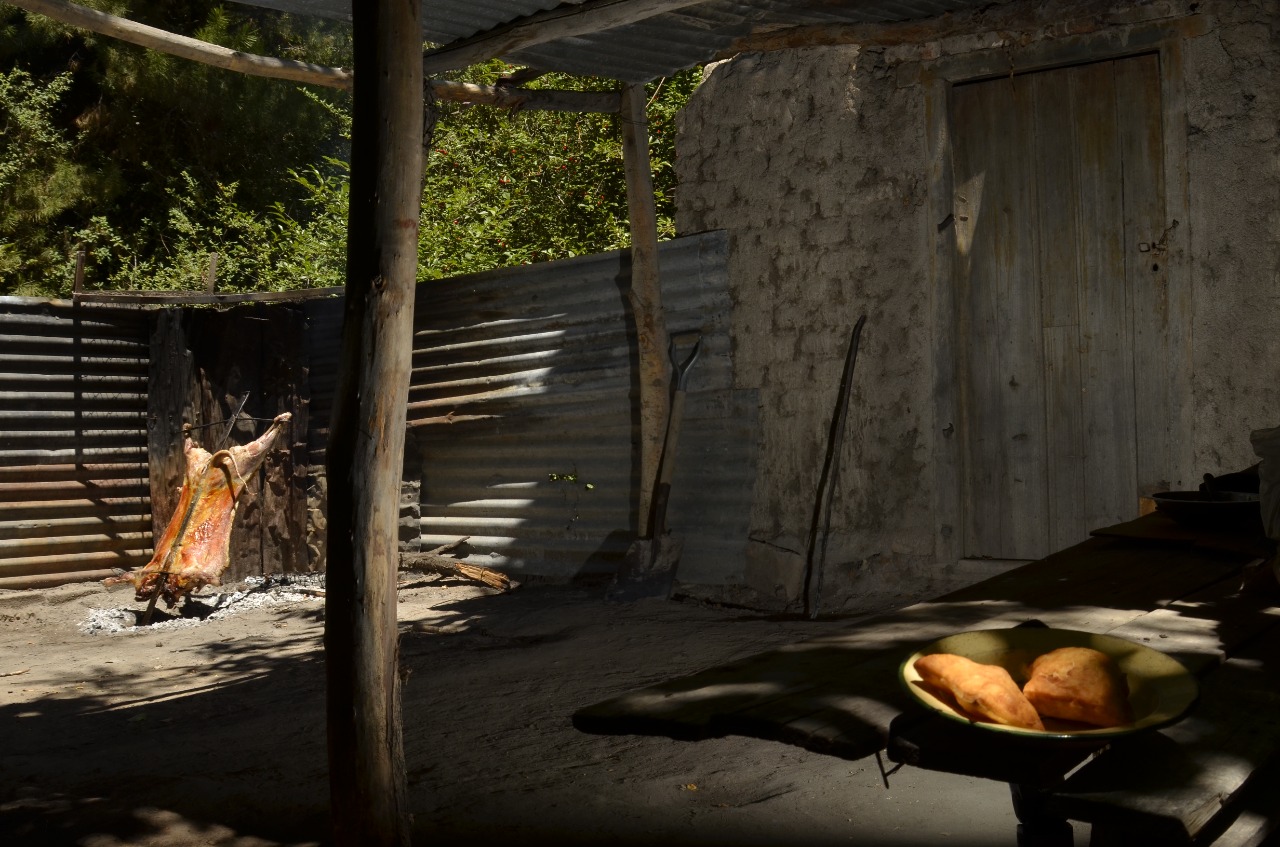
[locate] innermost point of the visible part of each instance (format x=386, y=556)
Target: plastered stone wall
x=1233, y=115
x=815, y=161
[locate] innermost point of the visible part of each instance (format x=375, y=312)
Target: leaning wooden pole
x=645, y=296
x=368, y=799
x=187, y=48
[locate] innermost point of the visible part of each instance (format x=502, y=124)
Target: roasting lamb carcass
x=195, y=548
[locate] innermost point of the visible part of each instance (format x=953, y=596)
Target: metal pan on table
x=1161, y=689
x=1212, y=509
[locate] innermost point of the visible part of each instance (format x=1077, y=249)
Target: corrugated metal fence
x=523, y=408
x=74, y=490
x=523, y=414
x=522, y=423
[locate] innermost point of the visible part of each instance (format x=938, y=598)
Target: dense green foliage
x=141, y=153
x=153, y=163
x=552, y=184
x=38, y=181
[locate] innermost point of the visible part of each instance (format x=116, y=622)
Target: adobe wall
x=1233, y=147
x=815, y=160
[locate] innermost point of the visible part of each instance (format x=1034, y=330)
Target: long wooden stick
x=816, y=552
x=541, y=99
x=435, y=562
x=368, y=795
x=163, y=41
x=445, y=566
x=184, y=47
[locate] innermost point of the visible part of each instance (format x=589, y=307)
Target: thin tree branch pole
x=368, y=798
x=184, y=47
x=564, y=21
x=864, y=35
x=162, y=41
x=545, y=100
x=645, y=296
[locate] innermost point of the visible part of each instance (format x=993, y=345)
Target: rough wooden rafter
x=508, y=97
x=502, y=96
x=645, y=297
x=1013, y=20
x=184, y=47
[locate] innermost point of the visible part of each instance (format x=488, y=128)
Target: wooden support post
x=368, y=801
x=211, y=274
x=79, y=280
x=645, y=296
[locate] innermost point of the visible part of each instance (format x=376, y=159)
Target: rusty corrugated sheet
x=74, y=489
x=324, y=344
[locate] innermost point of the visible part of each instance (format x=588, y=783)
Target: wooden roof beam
x=184, y=47
x=564, y=21
x=1086, y=16
x=509, y=97
x=152, y=38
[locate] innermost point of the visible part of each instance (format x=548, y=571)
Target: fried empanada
x=985, y=692
x=1079, y=684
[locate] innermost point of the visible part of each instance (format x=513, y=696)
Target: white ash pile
x=253, y=593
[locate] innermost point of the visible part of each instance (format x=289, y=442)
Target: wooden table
x=1148, y=580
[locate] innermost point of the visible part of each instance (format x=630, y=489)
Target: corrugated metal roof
x=652, y=48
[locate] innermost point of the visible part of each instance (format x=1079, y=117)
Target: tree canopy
x=153, y=163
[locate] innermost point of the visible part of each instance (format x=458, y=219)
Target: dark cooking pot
x=1233, y=511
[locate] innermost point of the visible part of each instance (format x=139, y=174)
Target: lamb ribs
x=195, y=548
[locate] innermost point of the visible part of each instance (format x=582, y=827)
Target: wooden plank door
x=1056, y=174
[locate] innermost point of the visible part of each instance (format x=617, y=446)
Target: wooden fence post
x=78, y=287
x=645, y=296
x=211, y=274
x=368, y=800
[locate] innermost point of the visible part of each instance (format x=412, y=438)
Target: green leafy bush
x=507, y=188
x=153, y=164
x=38, y=181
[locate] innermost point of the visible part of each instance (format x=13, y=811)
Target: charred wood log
x=432, y=561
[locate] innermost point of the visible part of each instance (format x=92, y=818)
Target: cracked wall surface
x=816, y=162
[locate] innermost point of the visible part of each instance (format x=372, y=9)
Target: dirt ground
x=211, y=731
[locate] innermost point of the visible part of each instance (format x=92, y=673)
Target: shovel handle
x=666, y=470
x=667, y=462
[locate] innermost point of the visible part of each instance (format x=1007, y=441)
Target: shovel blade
x=647, y=570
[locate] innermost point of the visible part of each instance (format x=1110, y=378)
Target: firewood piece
x=452, y=567
x=432, y=562
x=452, y=545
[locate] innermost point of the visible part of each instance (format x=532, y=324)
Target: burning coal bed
x=195, y=609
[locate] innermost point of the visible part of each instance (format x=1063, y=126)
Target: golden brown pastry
x=1079, y=684
x=985, y=692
